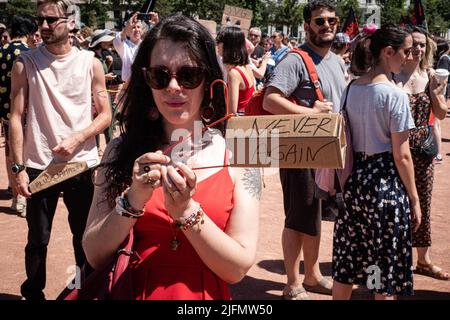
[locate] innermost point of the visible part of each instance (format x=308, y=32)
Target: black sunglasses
x=188, y=77
x=50, y=20
x=320, y=21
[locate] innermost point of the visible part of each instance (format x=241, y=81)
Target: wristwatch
x=16, y=168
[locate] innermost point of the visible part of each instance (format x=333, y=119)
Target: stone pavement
x=266, y=278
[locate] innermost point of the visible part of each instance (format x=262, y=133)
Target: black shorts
x=301, y=207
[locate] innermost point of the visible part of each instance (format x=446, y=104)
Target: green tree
x=18, y=7
x=343, y=7
x=437, y=14
x=287, y=13
x=392, y=10
x=94, y=13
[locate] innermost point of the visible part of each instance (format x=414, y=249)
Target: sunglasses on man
x=320, y=21
x=50, y=20
x=188, y=77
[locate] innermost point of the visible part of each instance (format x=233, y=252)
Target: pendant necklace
x=175, y=242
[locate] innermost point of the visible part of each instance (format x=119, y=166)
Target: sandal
x=295, y=294
x=432, y=271
x=322, y=287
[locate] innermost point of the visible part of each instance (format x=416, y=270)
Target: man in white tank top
x=52, y=87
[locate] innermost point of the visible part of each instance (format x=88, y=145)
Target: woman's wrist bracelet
x=124, y=208
x=196, y=217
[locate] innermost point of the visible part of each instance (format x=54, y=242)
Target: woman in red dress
x=241, y=82
x=195, y=230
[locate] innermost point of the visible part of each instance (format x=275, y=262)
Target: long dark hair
x=388, y=35
x=139, y=133
x=234, y=50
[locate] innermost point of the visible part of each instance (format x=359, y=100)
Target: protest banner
x=56, y=173
x=287, y=141
x=237, y=16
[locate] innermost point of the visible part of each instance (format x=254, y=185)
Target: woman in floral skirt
x=372, y=236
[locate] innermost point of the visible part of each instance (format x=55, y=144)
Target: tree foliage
x=278, y=13
x=392, y=11
x=343, y=7
x=94, y=13
x=437, y=14
x=286, y=13
x=17, y=7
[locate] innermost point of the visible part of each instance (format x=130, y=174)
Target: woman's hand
x=146, y=177
x=416, y=215
x=110, y=76
x=179, y=185
x=437, y=88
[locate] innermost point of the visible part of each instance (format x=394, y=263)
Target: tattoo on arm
x=252, y=182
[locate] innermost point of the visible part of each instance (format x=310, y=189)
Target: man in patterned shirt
x=23, y=27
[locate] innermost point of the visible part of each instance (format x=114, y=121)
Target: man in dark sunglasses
x=254, y=35
x=303, y=212
x=59, y=129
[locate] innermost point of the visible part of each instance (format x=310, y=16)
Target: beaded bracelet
x=124, y=208
x=197, y=216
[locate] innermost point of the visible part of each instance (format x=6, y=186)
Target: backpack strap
x=311, y=68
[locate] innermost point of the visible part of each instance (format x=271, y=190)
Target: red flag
x=351, y=26
x=419, y=14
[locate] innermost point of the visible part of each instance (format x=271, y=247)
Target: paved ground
x=265, y=279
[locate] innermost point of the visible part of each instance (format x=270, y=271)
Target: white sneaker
x=23, y=213
x=19, y=204
x=13, y=206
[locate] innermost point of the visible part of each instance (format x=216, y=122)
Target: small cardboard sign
x=237, y=16
x=57, y=173
x=211, y=25
x=287, y=141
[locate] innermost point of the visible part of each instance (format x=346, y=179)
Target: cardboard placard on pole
x=211, y=25
x=57, y=173
x=237, y=16
x=287, y=141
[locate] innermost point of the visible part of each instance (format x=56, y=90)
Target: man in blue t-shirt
x=302, y=208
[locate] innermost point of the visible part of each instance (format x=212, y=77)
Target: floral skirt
x=372, y=238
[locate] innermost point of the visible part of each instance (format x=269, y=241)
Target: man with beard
x=52, y=86
x=302, y=209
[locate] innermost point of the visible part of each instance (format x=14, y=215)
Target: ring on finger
x=150, y=180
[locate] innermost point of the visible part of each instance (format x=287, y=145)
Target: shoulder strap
x=247, y=84
x=344, y=106
x=311, y=68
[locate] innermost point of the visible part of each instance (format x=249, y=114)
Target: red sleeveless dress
x=165, y=274
x=244, y=94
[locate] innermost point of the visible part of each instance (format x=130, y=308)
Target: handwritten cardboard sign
x=57, y=173
x=211, y=25
x=287, y=141
x=237, y=16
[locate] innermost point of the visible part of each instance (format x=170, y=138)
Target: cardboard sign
x=211, y=25
x=287, y=141
x=237, y=16
x=57, y=173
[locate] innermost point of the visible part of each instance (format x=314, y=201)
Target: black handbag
x=429, y=148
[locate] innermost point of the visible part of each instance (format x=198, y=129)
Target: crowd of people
x=195, y=231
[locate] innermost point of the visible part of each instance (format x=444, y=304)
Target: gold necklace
x=175, y=242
